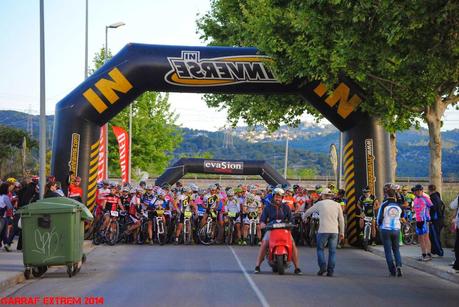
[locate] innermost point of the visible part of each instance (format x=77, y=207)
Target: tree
x=155, y=135
x=404, y=54
x=14, y=159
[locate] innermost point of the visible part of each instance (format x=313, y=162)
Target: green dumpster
x=53, y=234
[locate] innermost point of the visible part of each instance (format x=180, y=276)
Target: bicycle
x=113, y=229
x=159, y=229
x=299, y=232
x=207, y=232
x=143, y=232
x=314, y=223
x=229, y=229
x=367, y=231
x=408, y=228
x=253, y=221
x=187, y=228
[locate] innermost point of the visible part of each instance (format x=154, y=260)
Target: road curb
x=19, y=278
x=421, y=266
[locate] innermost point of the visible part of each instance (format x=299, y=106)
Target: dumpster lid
x=46, y=207
x=85, y=213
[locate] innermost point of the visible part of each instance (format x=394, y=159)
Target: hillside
x=308, y=145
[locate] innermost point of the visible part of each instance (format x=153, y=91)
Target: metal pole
x=106, y=125
x=86, y=44
x=340, y=161
x=130, y=142
x=42, y=151
x=286, y=156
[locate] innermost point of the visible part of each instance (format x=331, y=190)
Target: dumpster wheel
x=27, y=273
x=38, y=271
x=70, y=270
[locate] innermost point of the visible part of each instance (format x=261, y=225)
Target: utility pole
x=42, y=151
x=286, y=155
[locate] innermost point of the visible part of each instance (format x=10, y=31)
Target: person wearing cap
x=389, y=215
x=331, y=229
x=75, y=190
x=368, y=206
x=421, y=206
x=276, y=210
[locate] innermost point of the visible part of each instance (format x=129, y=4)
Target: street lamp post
x=112, y=26
x=286, y=156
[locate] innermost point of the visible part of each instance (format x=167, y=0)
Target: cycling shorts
x=134, y=219
x=247, y=220
x=422, y=228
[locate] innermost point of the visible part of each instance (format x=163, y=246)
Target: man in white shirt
x=330, y=229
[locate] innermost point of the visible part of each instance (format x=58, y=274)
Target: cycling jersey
x=389, y=215
x=421, y=207
x=290, y=201
x=101, y=194
x=301, y=201
x=232, y=206
x=212, y=202
x=111, y=202
x=368, y=205
x=125, y=200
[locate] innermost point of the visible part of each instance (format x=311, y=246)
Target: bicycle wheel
x=112, y=233
x=204, y=237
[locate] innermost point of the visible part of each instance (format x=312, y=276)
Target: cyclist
x=184, y=206
x=148, y=200
x=125, y=198
x=289, y=199
x=111, y=203
x=421, y=206
x=251, y=210
x=276, y=210
x=233, y=210
x=368, y=205
x=301, y=200
x=211, y=202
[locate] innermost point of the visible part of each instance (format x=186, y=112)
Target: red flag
x=101, y=171
x=123, y=145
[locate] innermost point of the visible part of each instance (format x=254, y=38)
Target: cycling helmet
x=148, y=187
x=395, y=187
x=139, y=190
x=418, y=187
x=194, y=187
x=166, y=186
x=285, y=186
x=250, y=198
x=125, y=189
x=112, y=185
x=405, y=188
x=230, y=193
x=252, y=187
x=366, y=189
x=11, y=180
x=105, y=182
x=187, y=189
x=279, y=191
x=212, y=187
x=35, y=178
x=238, y=190
x=318, y=187
x=132, y=191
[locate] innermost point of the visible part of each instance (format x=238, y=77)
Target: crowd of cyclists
x=147, y=214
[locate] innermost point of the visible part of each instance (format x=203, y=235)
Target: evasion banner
x=101, y=171
x=123, y=145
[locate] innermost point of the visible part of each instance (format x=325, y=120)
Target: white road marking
x=257, y=291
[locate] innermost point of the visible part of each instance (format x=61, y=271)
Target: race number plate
x=188, y=214
x=232, y=214
x=114, y=213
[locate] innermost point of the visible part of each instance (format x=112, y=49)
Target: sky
x=167, y=22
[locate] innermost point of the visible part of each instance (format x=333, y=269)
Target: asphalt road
x=209, y=276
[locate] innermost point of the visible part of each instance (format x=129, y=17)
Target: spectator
x=454, y=206
x=5, y=204
x=30, y=193
x=75, y=190
x=331, y=224
x=421, y=206
x=59, y=189
x=388, y=219
x=50, y=190
x=437, y=212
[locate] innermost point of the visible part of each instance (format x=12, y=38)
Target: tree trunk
x=433, y=115
x=393, y=154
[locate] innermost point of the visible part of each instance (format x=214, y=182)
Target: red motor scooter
x=280, y=246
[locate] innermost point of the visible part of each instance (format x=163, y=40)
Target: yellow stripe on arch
x=348, y=155
x=348, y=145
x=95, y=146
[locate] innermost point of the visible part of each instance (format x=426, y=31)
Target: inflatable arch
x=138, y=68
x=226, y=167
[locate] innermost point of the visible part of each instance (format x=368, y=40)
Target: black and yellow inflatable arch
x=138, y=68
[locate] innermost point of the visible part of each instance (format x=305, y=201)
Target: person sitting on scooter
x=276, y=210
